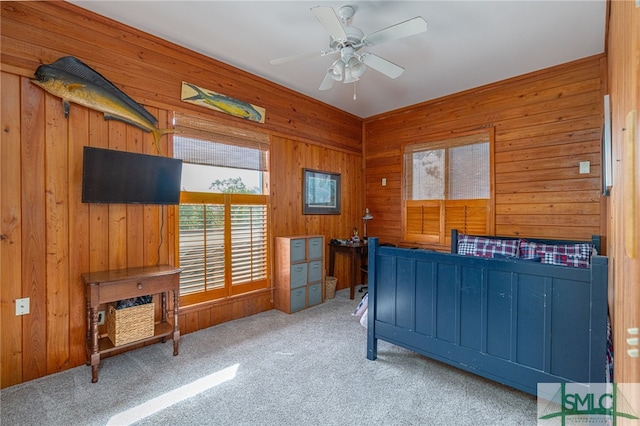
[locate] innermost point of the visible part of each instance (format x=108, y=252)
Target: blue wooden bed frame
x=515, y=322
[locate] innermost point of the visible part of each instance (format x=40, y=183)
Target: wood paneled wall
x=290, y=157
x=545, y=123
x=624, y=270
x=49, y=237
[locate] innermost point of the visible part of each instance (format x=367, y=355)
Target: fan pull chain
x=354, y=90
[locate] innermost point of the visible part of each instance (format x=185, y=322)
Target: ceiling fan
x=348, y=41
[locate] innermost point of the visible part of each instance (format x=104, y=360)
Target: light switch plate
x=585, y=167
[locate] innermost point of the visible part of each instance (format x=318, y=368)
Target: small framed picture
x=321, y=192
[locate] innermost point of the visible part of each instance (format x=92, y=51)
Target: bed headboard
x=595, y=240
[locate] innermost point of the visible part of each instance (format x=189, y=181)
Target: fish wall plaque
x=216, y=101
x=75, y=82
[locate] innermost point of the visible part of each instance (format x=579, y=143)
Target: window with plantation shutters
x=201, y=247
x=223, y=214
x=448, y=184
x=248, y=243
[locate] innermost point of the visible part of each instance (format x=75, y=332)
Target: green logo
x=583, y=403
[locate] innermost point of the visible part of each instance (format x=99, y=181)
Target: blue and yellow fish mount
x=209, y=99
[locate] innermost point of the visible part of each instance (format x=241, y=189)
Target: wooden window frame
x=443, y=238
x=229, y=289
x=203, y=129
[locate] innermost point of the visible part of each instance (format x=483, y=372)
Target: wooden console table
x=111, y=286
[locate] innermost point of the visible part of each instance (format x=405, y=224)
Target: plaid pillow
x=466, y=248
x=577, y=255
x=565, y=260
x=486, y=247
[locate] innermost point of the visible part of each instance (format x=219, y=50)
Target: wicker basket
x=330, y=287
x=130, y=324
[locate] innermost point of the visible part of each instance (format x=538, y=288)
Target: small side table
x=111, y=286
x=357, y=251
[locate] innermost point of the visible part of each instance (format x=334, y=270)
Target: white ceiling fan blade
x=408, y=28
x=330, y=21
x=306, y=55
x=379, y=64
x=327, y=83
x=291, y=58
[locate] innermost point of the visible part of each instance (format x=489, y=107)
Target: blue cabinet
x=299, y=272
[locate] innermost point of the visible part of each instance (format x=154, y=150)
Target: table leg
x=354, y=272
x=332, y=260
x=164, y=306
x=163, y=297
x=95, y=355
x=176, y=328
x=87, y=339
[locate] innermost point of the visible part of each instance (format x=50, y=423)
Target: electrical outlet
x=100, y=317
x=22, y=306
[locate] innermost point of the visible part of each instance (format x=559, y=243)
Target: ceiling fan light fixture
x=337, y=70
x=349, y=78
x=356, y=67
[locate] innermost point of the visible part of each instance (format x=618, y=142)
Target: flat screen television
x=110, y=176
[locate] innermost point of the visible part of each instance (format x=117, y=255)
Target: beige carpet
x=309, y=368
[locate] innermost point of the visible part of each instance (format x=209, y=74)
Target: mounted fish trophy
x=209, y=99
x=75, y=82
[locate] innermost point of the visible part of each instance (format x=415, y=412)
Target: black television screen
x=110, y=176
